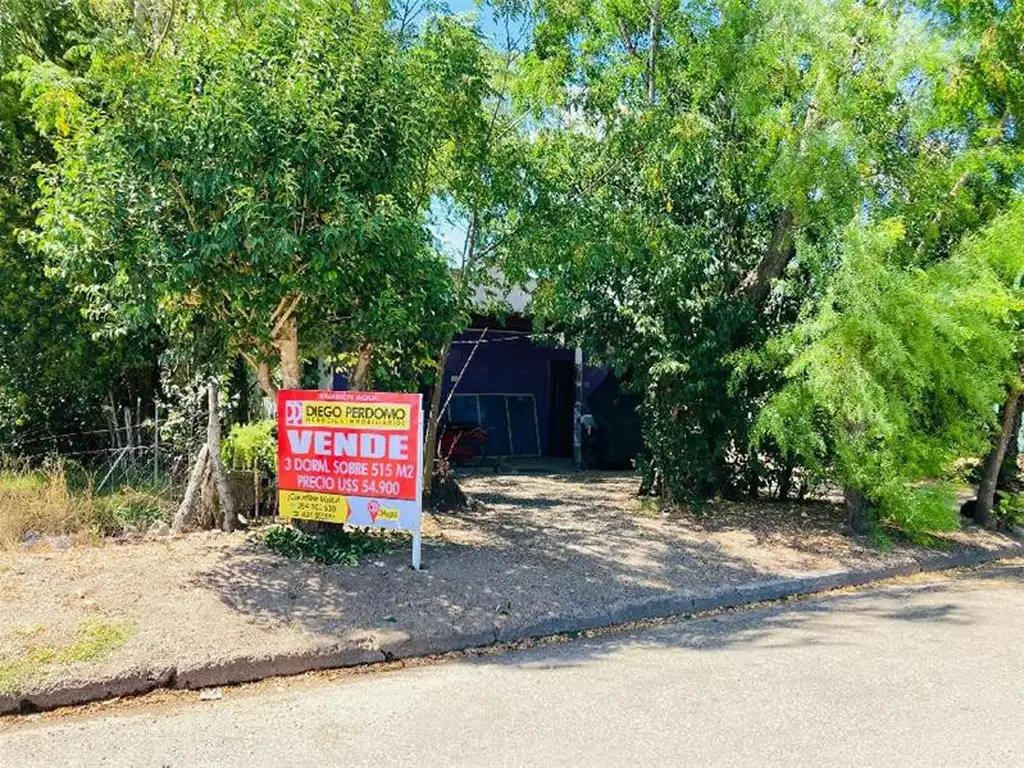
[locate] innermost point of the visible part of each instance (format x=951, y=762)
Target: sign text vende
x=351, y=457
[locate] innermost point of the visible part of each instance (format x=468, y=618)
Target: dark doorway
x=563, y=375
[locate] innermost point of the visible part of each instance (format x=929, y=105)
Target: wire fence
x=155, y=452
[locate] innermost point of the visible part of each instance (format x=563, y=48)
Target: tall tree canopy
x=788, y=224
x=708, y=176
x=263, y=175
x=56, y=377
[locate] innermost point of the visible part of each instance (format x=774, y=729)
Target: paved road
x=927, y=673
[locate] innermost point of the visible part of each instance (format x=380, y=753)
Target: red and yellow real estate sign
x=351, y=457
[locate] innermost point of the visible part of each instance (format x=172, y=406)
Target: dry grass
x=39, y=501
x=46, y=502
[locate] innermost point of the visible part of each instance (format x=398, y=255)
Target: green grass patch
x=21, y=481
x=129, y=509
x=94, y=640
x=344, y=546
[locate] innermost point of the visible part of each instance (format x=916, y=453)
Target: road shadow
x=835, y=619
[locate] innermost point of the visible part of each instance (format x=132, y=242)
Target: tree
x=483, y=182
x=892, y=376
x=56, y=379
x=274, y=162
x=988, y=90
x=964, y=166
x=692, y=163
x=998, y=247
x=694, y=174
x=260, y=186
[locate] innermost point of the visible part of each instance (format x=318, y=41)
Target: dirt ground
x=532, y=546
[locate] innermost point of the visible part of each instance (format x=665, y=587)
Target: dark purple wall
x=510, y=363
x=507, y=363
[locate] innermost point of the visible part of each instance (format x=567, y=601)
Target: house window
x=510, y=421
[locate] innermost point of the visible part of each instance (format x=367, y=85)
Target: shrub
x=1010, y=512
x=251, y=447
x=338, y=546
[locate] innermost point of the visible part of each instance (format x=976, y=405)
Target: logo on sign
x=293, y=413
x=377, y=512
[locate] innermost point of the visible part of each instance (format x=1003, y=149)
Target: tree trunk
x=188, y=504
x=140, y=12
x=786, y=479
x=652, y=53
x=994, y=461
x=1009, y=472
x=229, y=514
x=858, y=510
x=265, y=380
x=433, y=418
x=288, y=345
x=362, y=378
x=758, y=282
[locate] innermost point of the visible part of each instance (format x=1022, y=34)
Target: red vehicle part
x=464, y=443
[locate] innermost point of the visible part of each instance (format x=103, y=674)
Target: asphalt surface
x=928, y=672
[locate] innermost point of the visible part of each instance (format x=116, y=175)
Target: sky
x=449, y=233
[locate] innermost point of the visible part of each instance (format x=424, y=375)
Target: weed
x=39, y=501
x=57, y=500
x=20, y=482
x=129, y=509
x=1010, y=512
x=344, y=546
x=649, y=505
x=94, y=640
x=10, y=677
x=882, y=537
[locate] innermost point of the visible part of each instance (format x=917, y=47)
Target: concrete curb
x=369, y=648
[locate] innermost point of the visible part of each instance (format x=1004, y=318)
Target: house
x=533, y=399
x=523, y=393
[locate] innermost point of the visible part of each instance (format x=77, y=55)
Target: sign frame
x=336, y=463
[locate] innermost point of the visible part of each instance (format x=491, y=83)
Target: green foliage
x=675, y=181
x=1010, y=512
x=691, y=190
x=344, y=546
x=280, y=156
x=251, y=447
x=893, y=376
x=55, y=377
x=663, y=190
